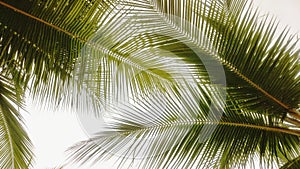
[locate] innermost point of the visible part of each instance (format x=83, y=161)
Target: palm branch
x=168, y=132
x=16, y=148
x=38, y=46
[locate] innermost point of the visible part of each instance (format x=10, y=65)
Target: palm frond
x=293, y=164
x=113, y=55
x=44, y=38
x=16, y=148
x=136, y=59
x=39, y=42
x=174, y=131
x=248, y=49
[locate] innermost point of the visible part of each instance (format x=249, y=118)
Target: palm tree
x=157, y=68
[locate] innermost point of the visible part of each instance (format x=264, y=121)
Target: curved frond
x=249, y=50
x=43, y=39
x=137, y=59
x=173, y=131
x=15, y=146
x=39, y=42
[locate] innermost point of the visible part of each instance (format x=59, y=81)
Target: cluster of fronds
x=186, y=83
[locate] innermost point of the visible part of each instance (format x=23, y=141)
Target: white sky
x=53, y=132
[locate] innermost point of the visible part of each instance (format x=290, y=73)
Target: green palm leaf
x=15, y=151
x=39, y=42
x=292, y=164
x=136, y=60
x=44, y=39
x=171, y=134
x=248, y=49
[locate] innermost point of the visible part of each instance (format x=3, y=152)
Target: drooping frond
x=15, y=146
x=248, y=48
x=174, y=131
x=39, y=42
x=137, y=58
x=43, y=39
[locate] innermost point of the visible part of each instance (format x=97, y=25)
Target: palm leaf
x=248, y=49
x=295, y=163
x=16, y=148
x=172, y=131
x=39, y=42
x=44, y=38
x=112, y=65
x=224, y=27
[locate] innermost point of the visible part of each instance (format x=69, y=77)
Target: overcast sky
x=53, y=132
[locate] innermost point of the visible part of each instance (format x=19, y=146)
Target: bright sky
x=53, y=132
